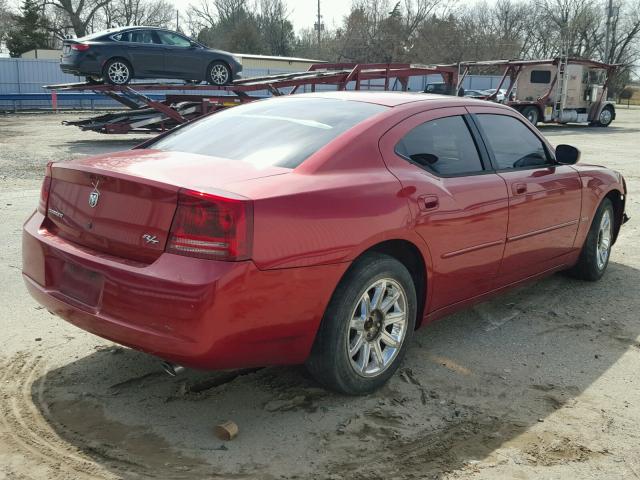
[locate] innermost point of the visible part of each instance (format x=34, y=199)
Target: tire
x=218, y=73
x=532, y=114
x=117, y=71
x=605, y=118
x=594, y=256
x=346, y=324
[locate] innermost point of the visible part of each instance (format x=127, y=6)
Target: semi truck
x=557, y=90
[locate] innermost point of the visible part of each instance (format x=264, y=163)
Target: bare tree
x=625, y=34
x=155, y=13
x=275, y=27
x=79, y=13
x=6, y=19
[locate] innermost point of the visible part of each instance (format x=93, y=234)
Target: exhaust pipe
x=172, y=369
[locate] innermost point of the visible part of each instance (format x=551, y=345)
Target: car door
x=544, y=197
x=181, y=59
x=146, y=52
x=458, y=205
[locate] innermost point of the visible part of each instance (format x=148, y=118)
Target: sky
x=302, y=13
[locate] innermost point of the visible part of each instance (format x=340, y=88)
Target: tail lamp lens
x=212, y=227
x=80, y=47
x=44, y=192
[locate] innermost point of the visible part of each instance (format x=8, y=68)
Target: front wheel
x=596, y=250
x=605, y=118
x=366, y=328
x=219, y=74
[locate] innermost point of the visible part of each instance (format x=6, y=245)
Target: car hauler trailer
x=558, y=90
x=145, y=114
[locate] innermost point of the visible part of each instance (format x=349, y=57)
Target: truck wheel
x=596, y=250
x=605, y=118
x=366, y=328
x=532, y=114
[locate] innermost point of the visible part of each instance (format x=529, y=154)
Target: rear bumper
x=198, y=313
x=80, y=65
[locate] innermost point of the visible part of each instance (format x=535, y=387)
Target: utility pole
x=319, y=23
x=607, y=44
x=177, y=20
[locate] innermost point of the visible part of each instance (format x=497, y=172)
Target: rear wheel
x=532, y=114
x=596, y=250
x=366, y=328
x=117, y=72
x=218, y=73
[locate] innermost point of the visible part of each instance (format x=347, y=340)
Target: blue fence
x=21, y=82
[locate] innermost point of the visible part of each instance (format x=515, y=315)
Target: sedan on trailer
x=119, y=55
x=316, y=228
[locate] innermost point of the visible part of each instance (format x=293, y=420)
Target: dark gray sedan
x=118, y=55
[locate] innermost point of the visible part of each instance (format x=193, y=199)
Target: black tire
x=590, y=265
x=330, y=362
x=117, y=71
x=605, y=118
x=219, y=73
x=532, y=114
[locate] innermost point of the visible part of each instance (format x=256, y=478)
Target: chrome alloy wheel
x=604, y=240
x=377, y=327
x=219, y=74
x=118, y=73
x=605, y=116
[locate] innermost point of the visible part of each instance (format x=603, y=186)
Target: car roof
x=394, y=99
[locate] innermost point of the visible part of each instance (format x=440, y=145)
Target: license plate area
x=81, y=284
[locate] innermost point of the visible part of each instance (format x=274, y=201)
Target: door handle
x=428, y=202
x=519, y=188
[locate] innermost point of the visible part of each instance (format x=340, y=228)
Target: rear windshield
x=282, y=132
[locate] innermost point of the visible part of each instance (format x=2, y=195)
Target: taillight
x=211, y=226
x=80, y=47
x=44, y=191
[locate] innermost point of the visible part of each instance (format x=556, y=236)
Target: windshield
x=282, y=132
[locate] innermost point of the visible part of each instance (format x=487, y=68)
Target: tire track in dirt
x=26, y=432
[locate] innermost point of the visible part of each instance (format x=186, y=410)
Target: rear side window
x=168, y=38
x=512, y=143
x=540, y=76
x=282, y=132
x=142, y=36
x=121, y=37
x=444, y=146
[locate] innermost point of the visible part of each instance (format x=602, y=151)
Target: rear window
x=281, y=132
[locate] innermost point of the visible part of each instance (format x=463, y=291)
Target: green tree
x=29, y=30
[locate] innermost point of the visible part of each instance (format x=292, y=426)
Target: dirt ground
x=540, y=383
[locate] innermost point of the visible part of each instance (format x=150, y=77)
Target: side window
x=142, y=36
x=540, y=76
x=168, y=38
x=444, y=146
x=121, y=37
x=512, y=143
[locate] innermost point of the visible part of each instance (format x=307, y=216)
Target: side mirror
x=567, y=155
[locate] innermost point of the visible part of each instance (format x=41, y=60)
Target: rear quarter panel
x=328, y=210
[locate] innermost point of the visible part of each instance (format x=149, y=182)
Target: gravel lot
x=540, y=383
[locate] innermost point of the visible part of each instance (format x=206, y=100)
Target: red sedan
x=321, y=228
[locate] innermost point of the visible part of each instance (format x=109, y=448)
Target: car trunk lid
x=123, y=204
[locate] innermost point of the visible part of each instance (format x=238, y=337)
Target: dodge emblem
x=94, y=196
